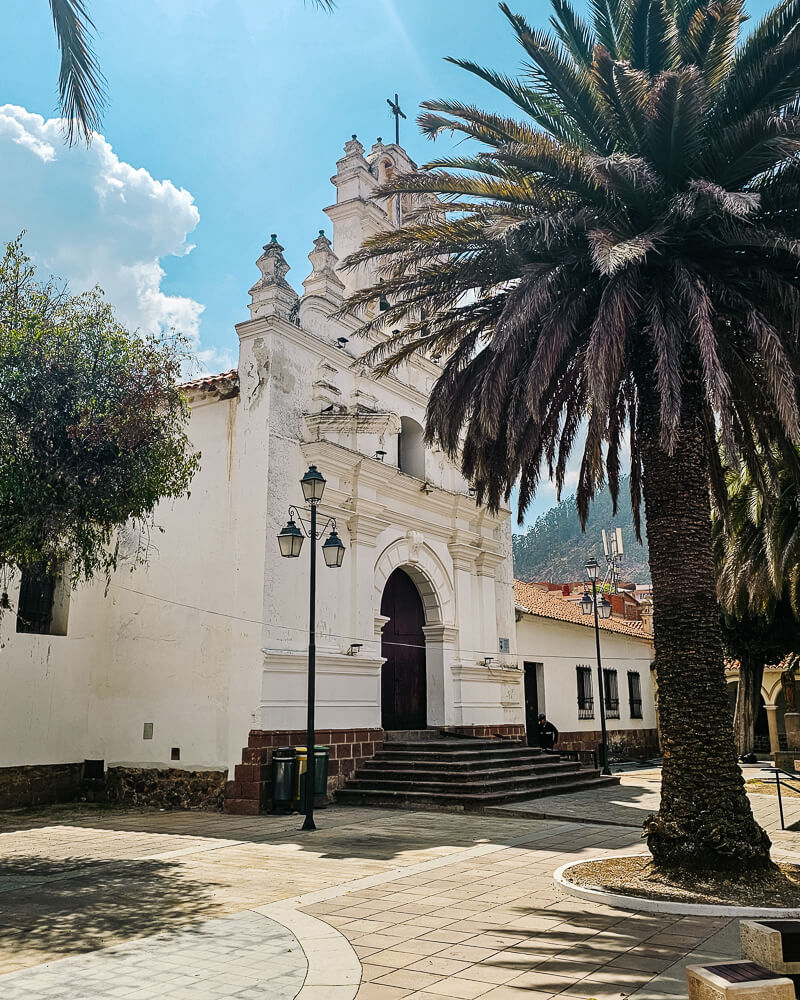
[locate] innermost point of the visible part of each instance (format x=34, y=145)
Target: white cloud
x=92, y=219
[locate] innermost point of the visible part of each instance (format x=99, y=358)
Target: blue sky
x=244, y=106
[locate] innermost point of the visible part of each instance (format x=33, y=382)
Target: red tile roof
x=547, y=604
x=211, y=383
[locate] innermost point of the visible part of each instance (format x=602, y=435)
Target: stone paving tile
x=236, y=957
x=437, y=905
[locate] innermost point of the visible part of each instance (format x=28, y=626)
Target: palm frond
x=81, y=85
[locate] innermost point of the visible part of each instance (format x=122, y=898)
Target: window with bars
x=43, y=602
x=611, y=694
x=35, y=603
x=585, y=698
x=635, y=693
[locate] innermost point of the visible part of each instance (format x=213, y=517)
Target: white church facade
x=197, y=660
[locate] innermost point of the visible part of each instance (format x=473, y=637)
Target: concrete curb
x=660, y=905
x=334, y=971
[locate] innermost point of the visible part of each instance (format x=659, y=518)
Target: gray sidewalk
x=245, y=956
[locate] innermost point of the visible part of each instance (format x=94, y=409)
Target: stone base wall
x=166, y=788
x=250, y=791
x=634, y=742
x=39, y=784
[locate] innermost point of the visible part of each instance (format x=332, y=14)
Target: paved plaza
x=375, y=905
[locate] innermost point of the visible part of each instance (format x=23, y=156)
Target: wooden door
x=403, y=689
x=531, y=703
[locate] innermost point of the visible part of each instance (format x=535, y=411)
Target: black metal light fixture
x=342, y=342
x=290, y=542
x=333, y=550
x=601, y=608
x=313, y=485
x=380, y=454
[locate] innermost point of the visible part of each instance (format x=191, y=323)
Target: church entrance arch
x=403, y=675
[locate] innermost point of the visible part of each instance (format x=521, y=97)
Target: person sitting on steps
x=547, y=733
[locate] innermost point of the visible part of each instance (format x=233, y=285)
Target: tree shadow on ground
x=343, y=833
x=75, y=905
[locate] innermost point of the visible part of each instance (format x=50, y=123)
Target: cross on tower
x=398, y=114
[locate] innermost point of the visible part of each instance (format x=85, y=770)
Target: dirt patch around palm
x=778, y=886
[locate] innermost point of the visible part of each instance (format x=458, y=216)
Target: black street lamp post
x=290, y=541
x=602, y=609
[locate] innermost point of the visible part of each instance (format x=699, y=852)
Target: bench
x=737, y=981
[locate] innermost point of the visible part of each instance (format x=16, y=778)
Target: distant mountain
x=556, y=550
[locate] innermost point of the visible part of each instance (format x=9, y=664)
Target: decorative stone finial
x=353, y=147
x=323, y=280
x=272, y=294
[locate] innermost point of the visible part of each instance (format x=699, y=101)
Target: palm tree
x=81, y=85
x=757, y=538
x=757, y=553
x=620, y=260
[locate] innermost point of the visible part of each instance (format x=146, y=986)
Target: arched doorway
x=762, y=725
x=403, y=687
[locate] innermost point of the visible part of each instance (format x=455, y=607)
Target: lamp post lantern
x=290, y=542
x=602, y=609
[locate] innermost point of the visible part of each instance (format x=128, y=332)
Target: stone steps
x=476, y=773
x=463, y=774
x=466, y=801
x=410, y=762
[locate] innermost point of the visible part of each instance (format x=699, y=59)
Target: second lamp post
x=602, y=609
x=290, y=541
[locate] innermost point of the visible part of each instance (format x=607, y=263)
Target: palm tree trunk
x=705, y=819
x=748, y=700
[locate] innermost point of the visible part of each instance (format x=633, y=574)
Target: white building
x=556, y=649
x=184, y=663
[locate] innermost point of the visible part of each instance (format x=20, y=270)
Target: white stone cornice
x=487, y=563
x=464, y=555
x=351, y=421
x=296, y=661
x=441, y=633
x=498, y=673
x=373, y=485
x=366, y=529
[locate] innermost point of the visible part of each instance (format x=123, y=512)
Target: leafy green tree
x=81, y=86
x=757, y=551
x=92, y=425
x=622, y=258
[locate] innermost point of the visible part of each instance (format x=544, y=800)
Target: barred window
x=43, y=603
x=611, y=694
x=585, y=698
x=635, y=693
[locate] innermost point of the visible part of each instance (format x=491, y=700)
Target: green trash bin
x=284, y=764
x=321, y=757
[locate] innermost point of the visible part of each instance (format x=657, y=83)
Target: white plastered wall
x=560, y=647
x=174, y=643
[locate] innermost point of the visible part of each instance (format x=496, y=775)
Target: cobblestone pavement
x=240, y=957
x=434, y=905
